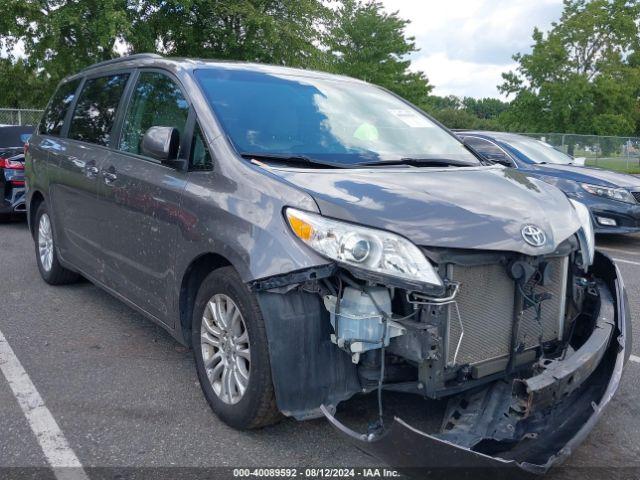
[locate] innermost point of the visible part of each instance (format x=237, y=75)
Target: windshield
x=539, y=152
x=339, y=121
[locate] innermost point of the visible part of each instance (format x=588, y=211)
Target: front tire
x=231, y=352
x=46, y=256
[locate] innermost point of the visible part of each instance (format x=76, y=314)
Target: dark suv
x=314, y=237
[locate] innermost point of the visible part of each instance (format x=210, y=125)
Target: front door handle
x=109, y=177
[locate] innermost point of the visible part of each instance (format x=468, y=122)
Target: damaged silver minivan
x=314, y=237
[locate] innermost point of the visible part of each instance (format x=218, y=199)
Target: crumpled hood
x=594, y=176
x=476, y=207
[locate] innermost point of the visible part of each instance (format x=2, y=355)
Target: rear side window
x=53, y=118
x=96, y=109
x=157, y=101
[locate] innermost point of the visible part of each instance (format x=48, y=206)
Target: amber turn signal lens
x=301, y=228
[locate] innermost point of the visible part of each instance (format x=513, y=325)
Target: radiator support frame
x=440, y=377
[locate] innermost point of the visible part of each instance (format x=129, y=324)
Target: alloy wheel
x=225, y=348
x=45, y=242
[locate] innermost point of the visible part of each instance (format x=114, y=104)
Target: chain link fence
x=20, y=116
x=621, y=154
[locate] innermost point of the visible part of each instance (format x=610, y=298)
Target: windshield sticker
x=367, y=133
x=411, y=118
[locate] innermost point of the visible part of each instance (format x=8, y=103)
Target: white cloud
x=460, y=77
x=465, y=45
x=17, y=50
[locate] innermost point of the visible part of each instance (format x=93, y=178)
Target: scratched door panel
x=140, y=202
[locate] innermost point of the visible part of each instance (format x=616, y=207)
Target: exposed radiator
x=485, y=304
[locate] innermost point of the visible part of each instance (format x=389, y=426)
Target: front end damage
x=524, y=351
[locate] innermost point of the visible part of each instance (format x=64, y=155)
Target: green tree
x=456, y=118
x=367, y=43
x=21, y=86
x=60, y=37
x=467, y=113
x=285, y=32
x=356, y=38
x=435, y=103
x=485, y=108
x=579, y=78
x=465, y=120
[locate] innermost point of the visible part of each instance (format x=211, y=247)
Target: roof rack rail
x=122, y=59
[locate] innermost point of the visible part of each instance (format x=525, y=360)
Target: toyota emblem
x=534, y=236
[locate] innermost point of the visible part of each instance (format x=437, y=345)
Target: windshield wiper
x=293, y=159
x=420, y=162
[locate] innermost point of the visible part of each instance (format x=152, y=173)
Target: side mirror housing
x=163, y=143
x=580, y=161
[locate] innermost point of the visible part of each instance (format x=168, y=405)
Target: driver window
x=156, y=102
x=488, y=150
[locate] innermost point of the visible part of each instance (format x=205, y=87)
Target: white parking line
x=56, y=449
x=633, y=358
x=629, y=262
x=619, y=250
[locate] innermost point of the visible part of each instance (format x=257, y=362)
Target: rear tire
x=233, y=337
x=46, y=256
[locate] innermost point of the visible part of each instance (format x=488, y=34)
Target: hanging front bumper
x=563, y=404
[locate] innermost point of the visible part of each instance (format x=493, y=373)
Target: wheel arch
x=36, y=199
x=193, y=276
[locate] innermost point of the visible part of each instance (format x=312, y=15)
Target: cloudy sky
x=466, y=44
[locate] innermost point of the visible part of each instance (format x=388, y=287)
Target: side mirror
x=163, y=143
x=579, y=161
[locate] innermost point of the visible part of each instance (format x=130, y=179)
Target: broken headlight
x=366, y=248
x=586, y=233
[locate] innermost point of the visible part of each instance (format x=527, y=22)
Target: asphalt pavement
x=124, y=394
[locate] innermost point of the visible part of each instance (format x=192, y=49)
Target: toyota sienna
x=313, y=237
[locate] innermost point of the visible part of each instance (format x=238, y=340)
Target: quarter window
x=96, y=109
x=156, y=102
x=53, y=118
x=200, y=156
